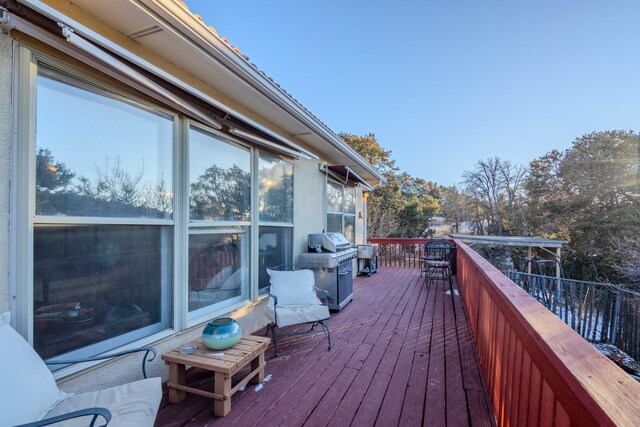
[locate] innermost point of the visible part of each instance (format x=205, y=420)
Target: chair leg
x=271, y=327
x=325, y=329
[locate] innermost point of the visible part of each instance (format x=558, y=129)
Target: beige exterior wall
x=6, y=117
x=309, y=200
x=360, y=225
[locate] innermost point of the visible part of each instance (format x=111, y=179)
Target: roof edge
x=208, y=39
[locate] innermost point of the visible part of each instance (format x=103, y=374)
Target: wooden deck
x=402, y=355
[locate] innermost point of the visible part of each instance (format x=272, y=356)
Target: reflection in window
x=219, y=190
x=349, y=200
x=93, y=283
x=98, y=155
x=219, y=179
x=99, y=285
x=341, y=210
x=218, y=267
x=334, y=223
x=275, y=245
x=275, y=248
x=334, y=197
x=275, y=189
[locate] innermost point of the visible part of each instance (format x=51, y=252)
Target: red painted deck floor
x=402, y=355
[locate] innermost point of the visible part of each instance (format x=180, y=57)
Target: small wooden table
x=249, y=349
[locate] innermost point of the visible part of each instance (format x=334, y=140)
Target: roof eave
x=198, y=32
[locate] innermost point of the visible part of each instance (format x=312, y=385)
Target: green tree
x=547, y=215
x=368, y=147
x=589, y=195
x=402, y=206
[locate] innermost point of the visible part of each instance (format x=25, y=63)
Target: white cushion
x=296, y=314
x=293, y=287
x=131, y=404
x=28, y=390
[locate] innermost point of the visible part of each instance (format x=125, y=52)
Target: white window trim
x=23, y=214
x=342, y=212
x=258, y=293
x=203, y=227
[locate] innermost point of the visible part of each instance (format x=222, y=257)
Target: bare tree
x=495, y=188
x=381, y=222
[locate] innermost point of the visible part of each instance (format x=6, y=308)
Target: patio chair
x=30, y=397
x=438, y=261
x=293, y=302
x=431, y=255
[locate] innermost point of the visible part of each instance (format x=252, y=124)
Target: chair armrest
x=96, y=412
x=275, y=298
x=324, y=291
x=147, y=350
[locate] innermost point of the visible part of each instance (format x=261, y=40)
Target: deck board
x=402, y=355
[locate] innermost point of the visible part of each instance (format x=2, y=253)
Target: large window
x=219, y=220
x=341, y=210
x=275, y=188
x=121, y=218
x=103, y=228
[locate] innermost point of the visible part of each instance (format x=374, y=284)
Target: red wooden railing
x=408, y=252
x=399, y=252
x=537, y=369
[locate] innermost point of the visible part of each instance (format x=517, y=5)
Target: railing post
x=616, y=315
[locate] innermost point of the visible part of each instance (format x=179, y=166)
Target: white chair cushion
x=28, y=390
x=296, y=314
x=131, y=404
x=293, y=287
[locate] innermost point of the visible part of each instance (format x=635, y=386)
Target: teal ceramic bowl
x=221, y=333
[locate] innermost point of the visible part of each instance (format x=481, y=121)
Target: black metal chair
x=431, y=256
x=437, y=261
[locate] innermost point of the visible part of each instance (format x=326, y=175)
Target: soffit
x=148, y=23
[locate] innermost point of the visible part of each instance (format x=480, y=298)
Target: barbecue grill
x=330, y=257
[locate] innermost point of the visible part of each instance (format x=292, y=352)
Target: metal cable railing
x=600, y=312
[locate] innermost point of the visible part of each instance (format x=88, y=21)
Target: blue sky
x=442, y=83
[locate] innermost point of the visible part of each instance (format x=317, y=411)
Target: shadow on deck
x=402, y=355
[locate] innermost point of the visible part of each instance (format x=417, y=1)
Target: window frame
x=215, y=227
x=289, y=225
x=24, y=219
x=342, y=213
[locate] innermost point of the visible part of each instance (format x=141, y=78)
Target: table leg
x=176, y=376
x=222, y=386
x=256, y=363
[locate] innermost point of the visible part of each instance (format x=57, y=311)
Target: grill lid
x=327, y=242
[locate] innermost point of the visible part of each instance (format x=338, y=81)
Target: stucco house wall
x=6, y=117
